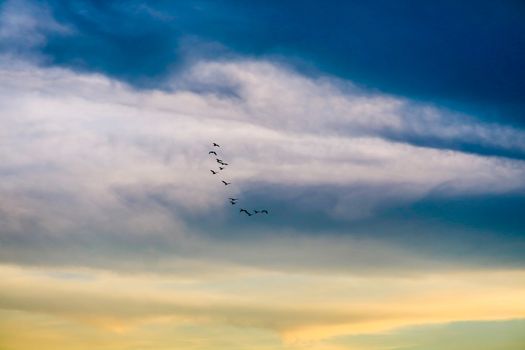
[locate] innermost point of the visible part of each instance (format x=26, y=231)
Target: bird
x=256, y=211
x=221, y=168
x=233, y=202
x=213, y=172
x=224, y=163
x=225, y=183
x=218, y=160
x=233, y=199
x=246, y=211
x=215, y=145
x=212, y=152
x=264, y=211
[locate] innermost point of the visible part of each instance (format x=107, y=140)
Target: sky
x=385, y=138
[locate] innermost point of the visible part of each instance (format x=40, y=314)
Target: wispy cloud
x=265, y=301
x=24, y=26
x=88, y=161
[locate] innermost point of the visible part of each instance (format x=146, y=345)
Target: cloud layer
x=96, y=168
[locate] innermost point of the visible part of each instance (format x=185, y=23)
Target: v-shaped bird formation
x=222, y=166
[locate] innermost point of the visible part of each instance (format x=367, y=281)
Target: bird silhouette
x=246, y=211
x=233, y=201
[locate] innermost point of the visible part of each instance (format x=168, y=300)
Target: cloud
x=112, y=226
x=264, y=301
x=405, y=51
x=96, y=169
x=24, y=27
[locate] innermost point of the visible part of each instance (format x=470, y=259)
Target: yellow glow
x=58, y=306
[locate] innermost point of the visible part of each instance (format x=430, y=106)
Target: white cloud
x=89, y=158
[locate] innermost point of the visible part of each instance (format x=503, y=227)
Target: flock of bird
x=222, y=166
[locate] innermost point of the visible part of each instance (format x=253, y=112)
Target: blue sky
x=386, y=138
x=466, y=55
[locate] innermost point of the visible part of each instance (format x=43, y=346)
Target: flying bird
x=221, y=168
x=213, y=172
x=233, y=199
x=218, y=160
x=264, y=211
x=212, y=152
x=215, y=145
x=246, y=211
x=225, y=183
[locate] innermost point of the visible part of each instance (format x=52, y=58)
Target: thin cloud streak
x=265, y=301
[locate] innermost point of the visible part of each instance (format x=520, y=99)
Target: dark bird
x=225, y=183
x=246, y=211
x=218, y=160
x=224, y=163
x=212, y=152
x=221, y=168
x=233, y=199
x=256, y=211
x=264, y=211
x=213, y=172
x=215, y=145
